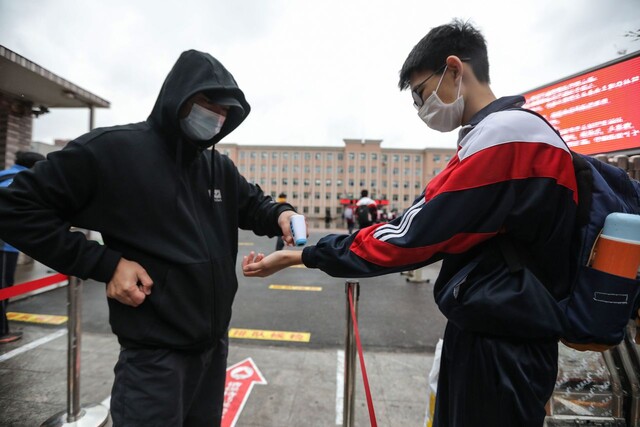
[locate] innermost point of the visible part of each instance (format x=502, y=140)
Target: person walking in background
x=348, y=216
x=366, y=210
x=282, y=198
x=8, y=254
x=510, y=187
x=168, y=208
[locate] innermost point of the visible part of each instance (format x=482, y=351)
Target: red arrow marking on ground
x=240, y=380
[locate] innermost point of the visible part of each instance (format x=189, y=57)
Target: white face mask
x=440, y=116
x=202, y=124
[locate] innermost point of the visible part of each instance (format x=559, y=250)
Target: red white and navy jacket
x=511, y=174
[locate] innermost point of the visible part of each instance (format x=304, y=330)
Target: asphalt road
x=394, y=314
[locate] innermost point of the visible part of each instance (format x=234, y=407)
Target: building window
x=351, y=183
x=306, y=195
x=329, y=170
x=316, y=195
x=274, y=168
x=295, y=181
x=407, y=158
x=407, y=171
x=374, y=156
x=307, y=169
x=316, y=210
x=285, y=168
x=405, y=197
x=285, y=181
x=395, y=197
x=296, y=155
x=274, y=181
x=263, y=181
x=263, y=155
x=418, y=172
x=406, y=184
x=374, y=169
x=340, y=169
x=327, y=196
x=384, y=170
x=373, y=183
x=352, y=156
x=395, y=171
x=418, y=158
x=306, y=182
x=362, y=183
x=436, y=158
x=274, y=155
x=417, y=184
x=340, y=156
x=363, y=169
x=296, y=168
x=285, y=155
x=252, y=168
x=351, y=169
x=295, y=194
x=447, y=157
x=242, y=154
x=305, y=209
x=273, y=194
x=395, y=184
x=328, y=183
x=384, y=184
x=318, y=183
x=318, y=169
x=307, y=156
x=318, y=156
x=396, y=158
x=263, y=168
x=329, y=156
x=384, y=157
x=436, y=171
x=363, y=156
x=339, y=183
x=253, y=154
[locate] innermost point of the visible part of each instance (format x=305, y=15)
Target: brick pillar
x=16, y=127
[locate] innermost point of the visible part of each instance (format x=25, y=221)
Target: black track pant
x=163, y=387
x=492, y=382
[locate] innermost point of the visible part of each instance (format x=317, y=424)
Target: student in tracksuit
x=511, y=178
x=168, y=208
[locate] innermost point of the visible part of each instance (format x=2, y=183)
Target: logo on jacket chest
x=217, y=195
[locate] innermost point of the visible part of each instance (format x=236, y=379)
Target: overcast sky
x=314, y=72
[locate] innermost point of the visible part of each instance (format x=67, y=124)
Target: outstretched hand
x=262, y=266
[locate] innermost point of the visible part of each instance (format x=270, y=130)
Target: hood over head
x=192, y=73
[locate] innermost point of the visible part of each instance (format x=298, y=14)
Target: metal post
x=353, y=287
x=73, y=358
x=92, y=118
x=86, y=416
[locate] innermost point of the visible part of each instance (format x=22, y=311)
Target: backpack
x=363, y=213
x=599, y=304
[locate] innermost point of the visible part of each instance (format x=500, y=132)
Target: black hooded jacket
x=151, y=194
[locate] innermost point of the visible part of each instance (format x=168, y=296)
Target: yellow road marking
x=295, y=288
x=245, y=243
x=47, y=319
x=256, y=334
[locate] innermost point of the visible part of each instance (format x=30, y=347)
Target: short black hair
x=28, y=158
x=456, y=38
x=283, y=195
x=364, y=193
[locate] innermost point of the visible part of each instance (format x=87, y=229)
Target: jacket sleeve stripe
x=388, y=255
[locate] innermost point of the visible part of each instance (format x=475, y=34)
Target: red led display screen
x=597, y=111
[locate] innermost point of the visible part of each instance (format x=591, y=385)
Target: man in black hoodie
x=169, y=211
